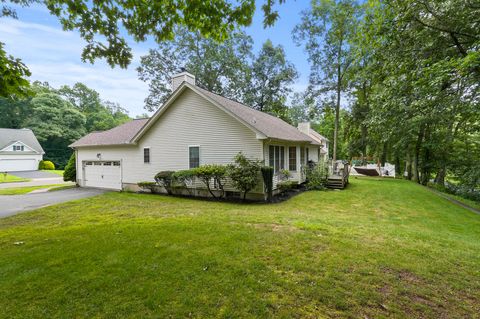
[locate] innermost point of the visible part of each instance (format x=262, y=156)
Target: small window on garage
x=97, y=163
x=88, y=163
x=194, y=156
x=116, y=163
x=146, y=155
x=107, y=164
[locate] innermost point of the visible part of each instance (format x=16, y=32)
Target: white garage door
x=103, y=174
x=16, y=165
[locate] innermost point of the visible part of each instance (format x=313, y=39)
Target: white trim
x=25, y=145
x=199, y=155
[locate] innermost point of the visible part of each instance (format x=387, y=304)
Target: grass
x=380, y=249
x=8, y=178
x=28, y=189
x=54, y=171
x=466, y=201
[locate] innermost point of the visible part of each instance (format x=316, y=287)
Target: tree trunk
x=383, y=159
x=416, y=154
x=337, y=115
x=440, y=177
x=408, y=166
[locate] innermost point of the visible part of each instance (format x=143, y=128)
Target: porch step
x=335, y=183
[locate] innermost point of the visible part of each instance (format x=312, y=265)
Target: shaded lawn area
x=8, y=178
x=28, y=189
x=379, y=249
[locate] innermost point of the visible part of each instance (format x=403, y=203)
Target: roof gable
x=25, y=136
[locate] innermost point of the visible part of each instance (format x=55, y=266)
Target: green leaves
x=13, y=76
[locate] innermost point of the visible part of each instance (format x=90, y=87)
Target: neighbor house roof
x=268, y=126
x=9, y=136
x=121, y=134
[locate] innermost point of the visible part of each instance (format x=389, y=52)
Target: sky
x=54, y=56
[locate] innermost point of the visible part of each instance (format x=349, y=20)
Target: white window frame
x=276, y=171
x=199, y=155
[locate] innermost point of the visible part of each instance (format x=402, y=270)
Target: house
x=192, y=128
x=19, y=150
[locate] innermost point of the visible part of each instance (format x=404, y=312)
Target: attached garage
x=103, y=174
x=18, y=164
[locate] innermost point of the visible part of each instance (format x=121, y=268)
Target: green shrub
x=285, y=174
x=70, y=173
x=148, y=185
x=165, y=179
x=46, y=165
x=317, y=176
x=183, y=177
x=212, y=173
x=267, y=174
x=286, y=186
x=244, y=173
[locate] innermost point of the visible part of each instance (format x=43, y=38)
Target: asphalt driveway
x=35, y=174
x=14, y=204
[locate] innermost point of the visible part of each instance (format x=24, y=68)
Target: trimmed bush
x=70, y=173
x=165, y=179
x=267, y=174
x=148, y=186
x=244, y=173
x=46, y=165
x=212, y=173
x=286, y=186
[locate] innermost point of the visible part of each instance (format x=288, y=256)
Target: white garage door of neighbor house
x=103, y=174
x=17, y=165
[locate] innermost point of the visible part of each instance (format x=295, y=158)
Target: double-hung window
x=193, y=156
x=18, y=147
x=292, y=158
x=276, y=156
x=146, y=155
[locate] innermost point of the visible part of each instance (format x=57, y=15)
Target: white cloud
x=53, y=55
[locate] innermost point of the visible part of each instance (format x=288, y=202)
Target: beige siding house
x=194, y=127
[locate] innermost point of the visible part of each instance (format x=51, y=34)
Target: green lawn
x=28, y=189
x=11, y=178
x=379, y=249
x=54, y=171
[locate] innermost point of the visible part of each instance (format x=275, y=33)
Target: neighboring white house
x=19, y=150
x=192, y=128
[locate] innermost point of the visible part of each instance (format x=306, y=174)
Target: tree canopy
x=103, y=24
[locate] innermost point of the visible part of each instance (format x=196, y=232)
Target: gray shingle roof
x=269, y=125
x=26, y=136
x=121, y=134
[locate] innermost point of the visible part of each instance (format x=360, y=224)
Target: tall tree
x=326, y=29
x=101, y=22
x=270, y=81
x=100, y=115
x=218, y=67
x=56, y=124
